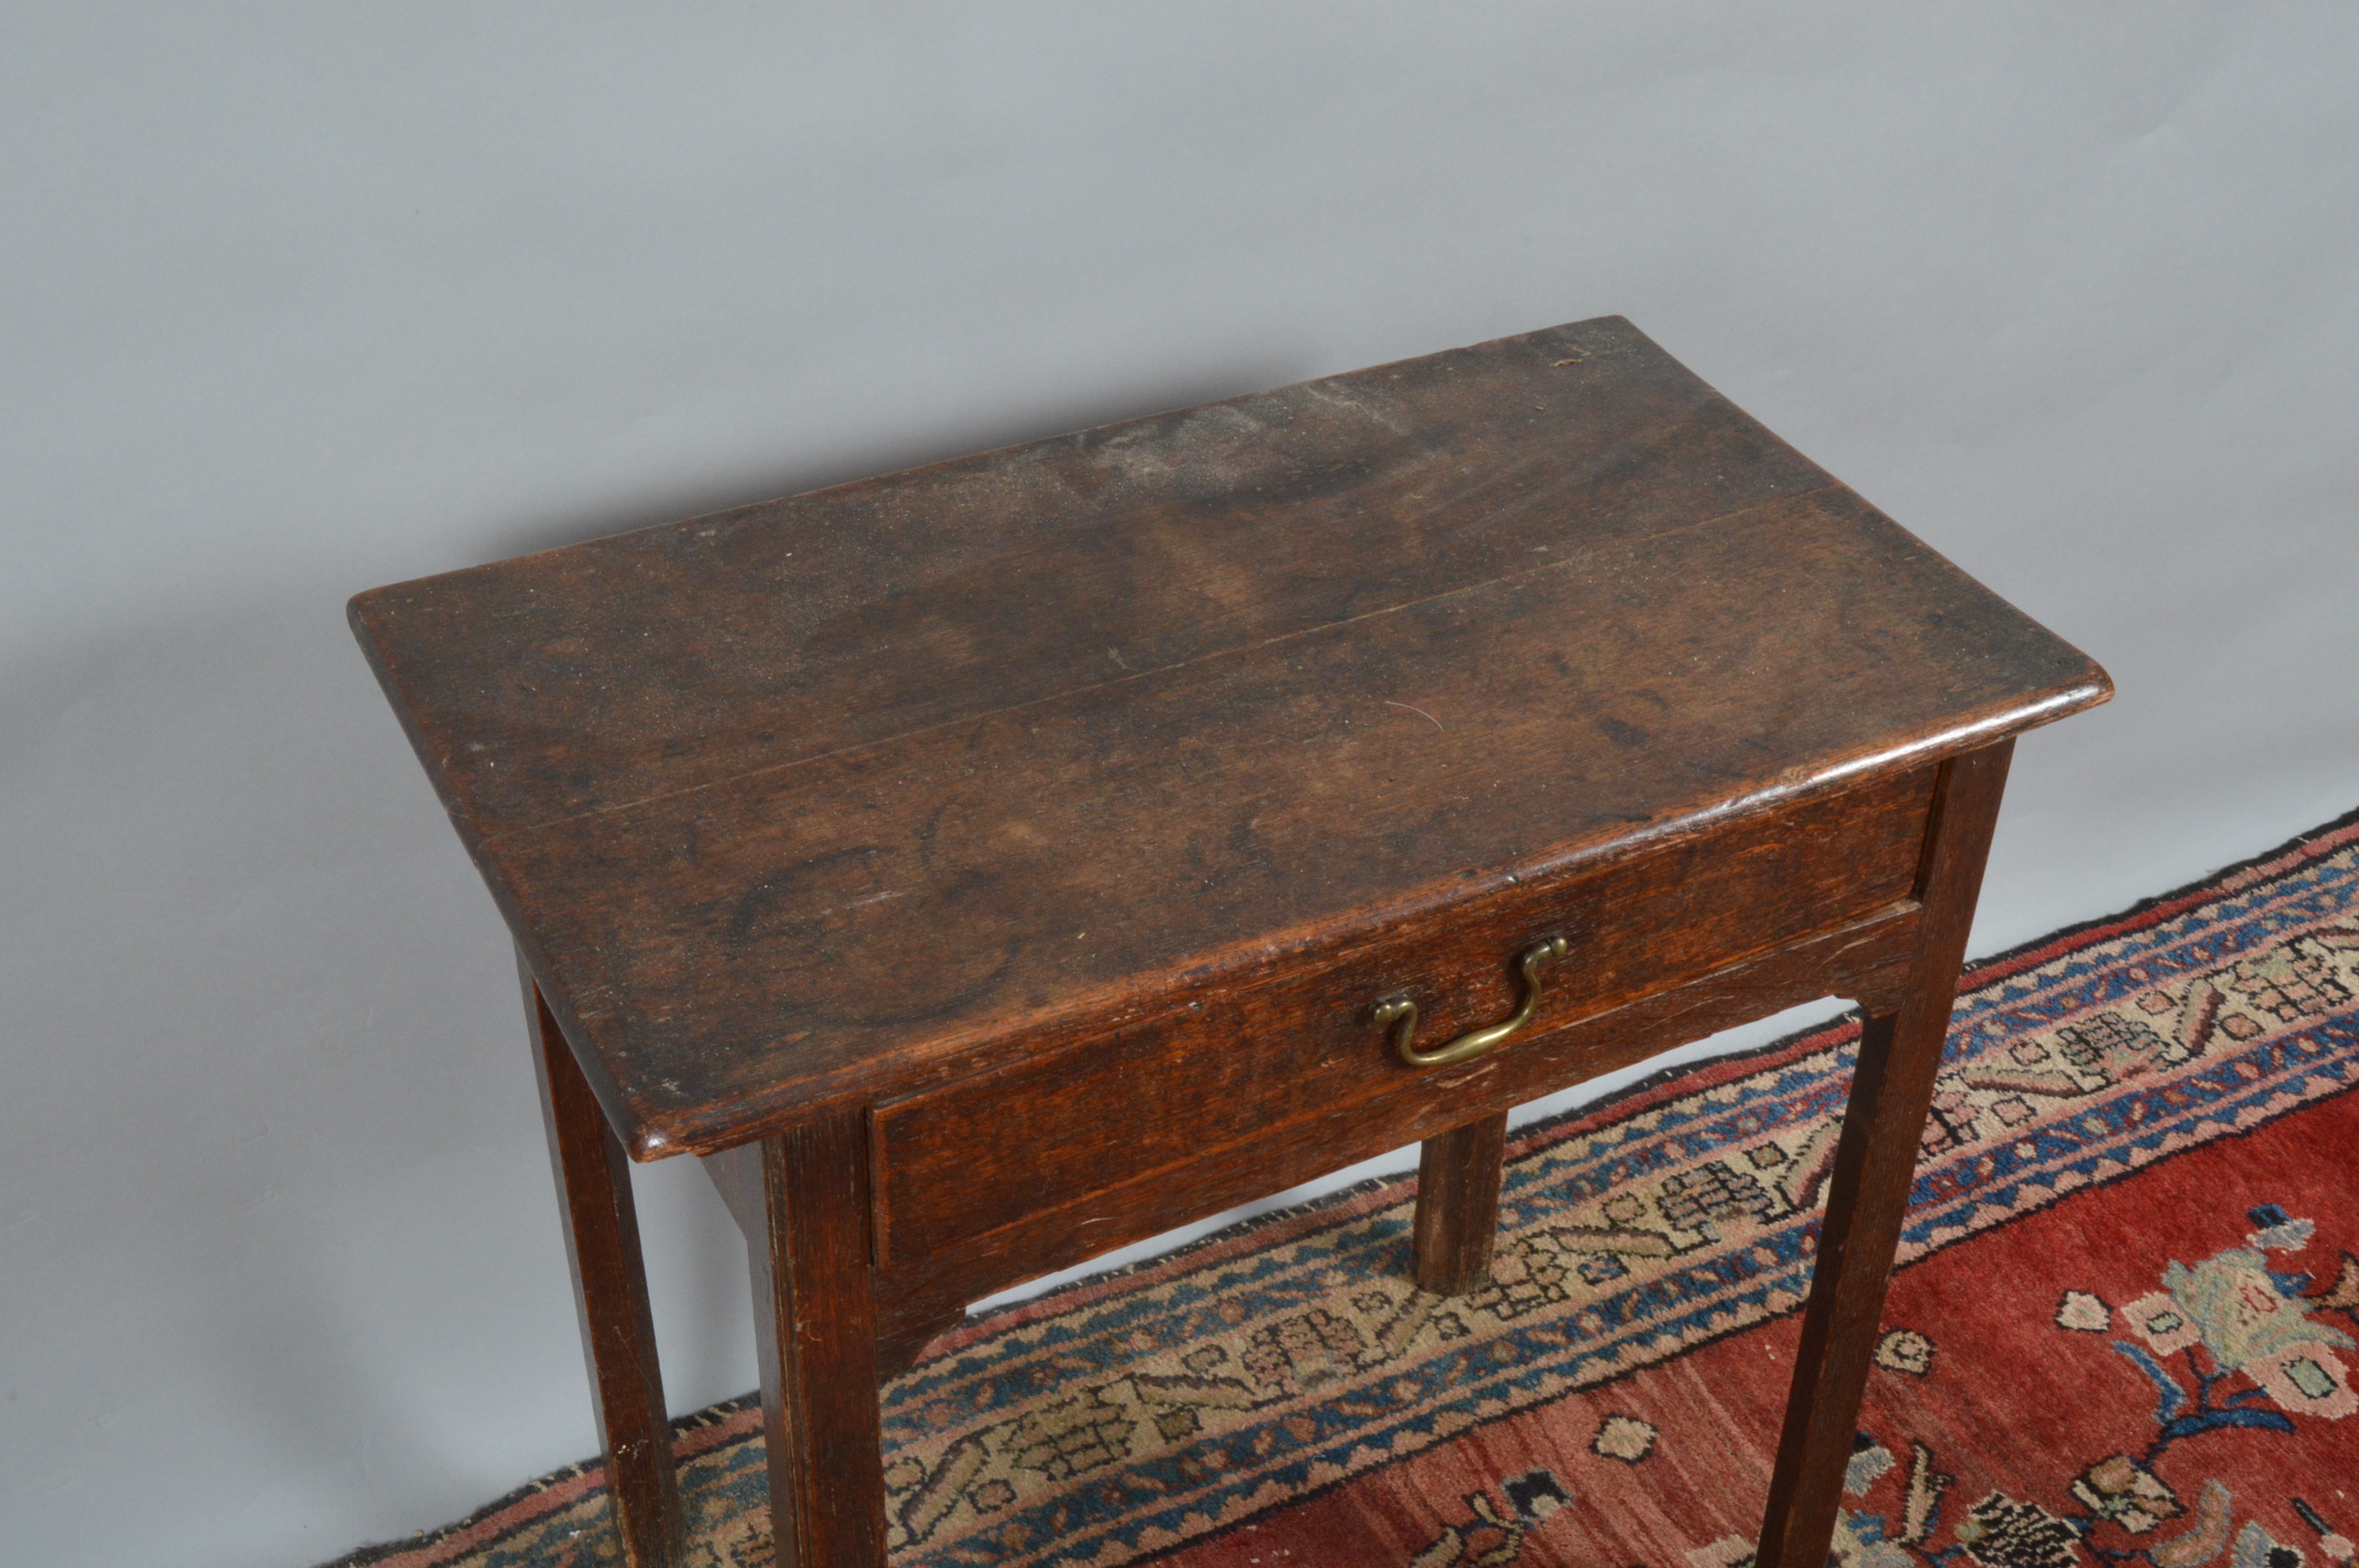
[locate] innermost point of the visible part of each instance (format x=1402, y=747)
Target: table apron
x=1865, y=960
x=987, y=1182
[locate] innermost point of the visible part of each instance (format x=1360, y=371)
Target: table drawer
x=1229, y=1064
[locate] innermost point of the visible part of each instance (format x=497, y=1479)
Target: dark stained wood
x=987, y=866
x=674, y=657
x=815, y=1332
x=1216, y=1062
x=610, y=1297
x=805, y=806
x=1867, y=961
x=1458, y=1205
x=1875, y=1161
x=903, y=1334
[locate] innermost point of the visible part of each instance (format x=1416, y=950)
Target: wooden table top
x=816, y=801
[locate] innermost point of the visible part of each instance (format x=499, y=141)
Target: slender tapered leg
x=1458, y=1205
x=1876, y=1162
x=610, y=1295
x=815, y=1326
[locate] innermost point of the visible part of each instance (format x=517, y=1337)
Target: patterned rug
x=2120, y=1334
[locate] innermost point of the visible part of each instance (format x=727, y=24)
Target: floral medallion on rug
x=2122, y=1331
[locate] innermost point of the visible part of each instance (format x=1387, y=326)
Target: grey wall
x=299, y=300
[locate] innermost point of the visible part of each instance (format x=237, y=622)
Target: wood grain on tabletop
x=818, y=801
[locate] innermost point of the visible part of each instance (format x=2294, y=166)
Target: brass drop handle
x=1399, y=1008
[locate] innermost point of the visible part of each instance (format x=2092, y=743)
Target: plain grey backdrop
x=298, y=300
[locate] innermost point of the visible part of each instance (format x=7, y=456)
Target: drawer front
x=1227, y=1064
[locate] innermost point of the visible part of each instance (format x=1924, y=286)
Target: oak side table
x=989, y=865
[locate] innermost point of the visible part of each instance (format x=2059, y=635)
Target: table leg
x=1876, y=1162
x=815, y=1326
x=610, y=1297
x=1458, y=1205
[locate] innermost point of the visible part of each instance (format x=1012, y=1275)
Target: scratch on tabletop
x=1420, y=712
